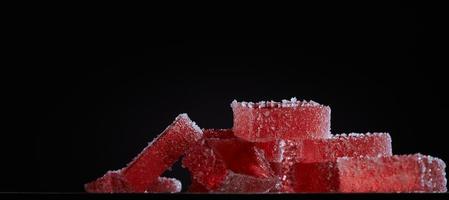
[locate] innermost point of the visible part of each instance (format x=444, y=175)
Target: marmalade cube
x=344, y=145
x=267, y=121
x=229, y=165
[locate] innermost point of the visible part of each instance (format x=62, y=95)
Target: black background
x=81, y=107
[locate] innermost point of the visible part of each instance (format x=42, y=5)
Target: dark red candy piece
x=218, y=133
x=343, y=145
x=283, y=169
x=241, y=157
x=197, y=187
x=273, y=150
x=165, y=185
x=111, y=182
x=267, y=121
x=205, y=166
x=217, y=164
x=236, y=183
x=315, y=177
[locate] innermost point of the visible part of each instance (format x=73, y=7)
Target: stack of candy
x=276, y=147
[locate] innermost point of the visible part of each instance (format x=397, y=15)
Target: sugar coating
x=217, y=164
x=403, y=173
x=293, y=102
x=165, y=185
x=269, y=120
x=349, y=145
x=161, y=153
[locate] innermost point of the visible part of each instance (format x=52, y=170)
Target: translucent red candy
x=165, y=185
x=408, y=173
x=274, y=147
x=267, y=121
x=144, y=171
x=315, y=177
x=196, y=187
x=113, y=182
x=351, y=145
x=218, y=133
x=283, y=168
x=229, y=165
x=273, y=150
x=162, y=153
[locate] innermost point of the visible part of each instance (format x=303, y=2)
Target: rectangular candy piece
x=273, y=150
x=161, y=153
x=205, y=166
x=113, y=182
x=315, y=177
x=217, y=164
x=165, y=185
x=267, y=121
x=236, y=183
x=343, y=145
x=406, y=173
x=283, y=169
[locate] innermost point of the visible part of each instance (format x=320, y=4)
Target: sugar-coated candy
x=220, y=164
x=405, y=173
x=344, y=145
x=162, y=153
x=267, y=121
x=273, y=150
x=165, y=185
x=113, y=182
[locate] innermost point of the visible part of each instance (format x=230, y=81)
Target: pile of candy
x=274, y=147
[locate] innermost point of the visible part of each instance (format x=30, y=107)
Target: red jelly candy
x=217, y=164
x=267, y=121
x=197, y=187
x=243, y=183
x=160, y=154
x=406, y=173
x=165, y=185
x=273, y=150
x=204, y=166
x=315, y=177
x=241, y=157
x=283, y=169
x=111, y=182
x=352, y=145
x=218, y=133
